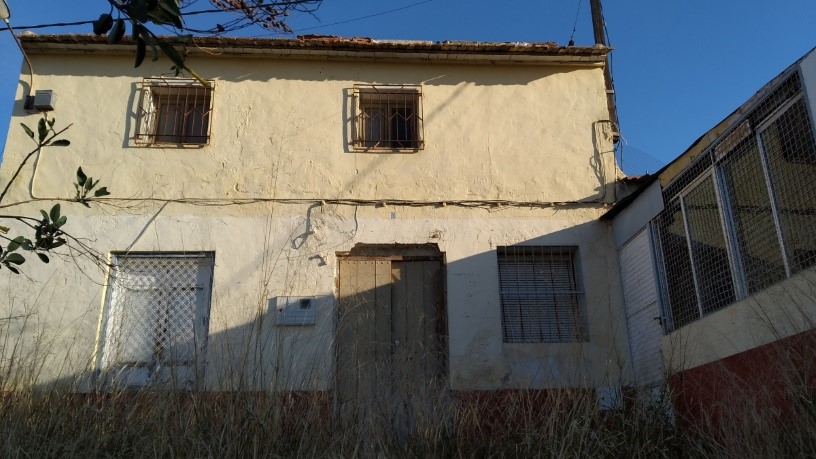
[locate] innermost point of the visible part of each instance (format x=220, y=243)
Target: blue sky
x=679, y=66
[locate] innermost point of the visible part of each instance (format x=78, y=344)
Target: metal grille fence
x=743, y=216
x=709, y=254
x=174, y=111
x=540, y=298
x=643, y=315
x=675, y=266
x=388, y=117
x=157, y=310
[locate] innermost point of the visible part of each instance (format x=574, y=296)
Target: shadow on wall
x=241, y=69
x=261, y=355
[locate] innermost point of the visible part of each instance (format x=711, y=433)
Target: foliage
x=84, y=185
x=268, y=15
x=48, y=230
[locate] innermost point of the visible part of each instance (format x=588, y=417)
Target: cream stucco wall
x=782, y=310
x=280, y=130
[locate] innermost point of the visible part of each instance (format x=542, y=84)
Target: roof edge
x=330, y=47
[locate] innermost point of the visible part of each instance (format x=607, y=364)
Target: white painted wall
x=527, y=133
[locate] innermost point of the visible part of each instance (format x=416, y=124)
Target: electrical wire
x=56, y=24
x=235, y=23
x=365, y=17
x=25, y=56
x=575, y=24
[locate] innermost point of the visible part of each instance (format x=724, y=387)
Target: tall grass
x=266, y=424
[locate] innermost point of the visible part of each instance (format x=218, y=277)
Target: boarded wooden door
x=390, y=336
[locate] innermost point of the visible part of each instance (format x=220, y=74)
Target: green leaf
x=55, y=212
x=27, y=130
x=15, y=244
x=117, y=31
x=43, y=257
x=44, y=214
x=81, y=177
x=15, y=258
x=172, y=53
x=141, y=48
x=61, y=143
x=102, y=192
x=62, y=220
x=12, y=269
x=89, y=184
x=51, y=122
x=137, y=9
x=103, y=24
x=43, y=129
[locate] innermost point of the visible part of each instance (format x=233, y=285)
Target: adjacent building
x=717, y=257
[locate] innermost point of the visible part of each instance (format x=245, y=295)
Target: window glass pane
x=374, y=126
x=388, y=117
x=168, y=121
x=708, y=247
x=791, y=154
x=759, y=251
x=174, y=111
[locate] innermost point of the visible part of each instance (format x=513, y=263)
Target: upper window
x=174, y=111
x=156, y=319
x=388, y=118
x=540, y=295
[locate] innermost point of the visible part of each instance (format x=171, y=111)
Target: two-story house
x=325, y=214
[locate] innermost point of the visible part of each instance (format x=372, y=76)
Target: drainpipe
x=600, y=39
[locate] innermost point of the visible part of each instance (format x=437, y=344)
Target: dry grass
x=251, y=424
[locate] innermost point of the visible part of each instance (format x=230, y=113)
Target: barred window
x=174, y=111
x=157, y=318
x=388, y=118
x=540, y=297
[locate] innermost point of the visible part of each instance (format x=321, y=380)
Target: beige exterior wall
x=279, y=132
x=782, y=310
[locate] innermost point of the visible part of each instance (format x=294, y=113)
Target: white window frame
x=157, y=365
x=518, y=292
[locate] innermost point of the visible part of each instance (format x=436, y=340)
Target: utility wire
x=191, y=13
x=575, y=24
x=56, y=24
x=364, y=17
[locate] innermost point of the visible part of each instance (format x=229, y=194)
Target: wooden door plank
x=431, y=326
x=382, y=331
x=364, y=331
x=345, y=343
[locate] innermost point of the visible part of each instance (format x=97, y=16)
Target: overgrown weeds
x=485, y=424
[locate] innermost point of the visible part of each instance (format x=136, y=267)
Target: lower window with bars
x=156, y=319
x=541, y=300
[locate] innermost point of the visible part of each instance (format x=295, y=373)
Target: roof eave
x=379, y=51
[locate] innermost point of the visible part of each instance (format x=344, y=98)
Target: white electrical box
x=294, y=310
x=44, y=100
